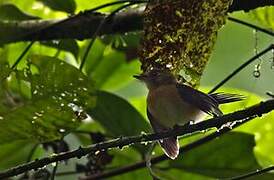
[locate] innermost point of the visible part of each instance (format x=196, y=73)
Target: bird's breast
x=168, y=108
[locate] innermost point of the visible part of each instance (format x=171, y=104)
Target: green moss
x=181, y=34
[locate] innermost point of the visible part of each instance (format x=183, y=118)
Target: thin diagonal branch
x=252, y=174
x=247, y=5
x=269, y=32
x=239, y=69
x=158, y=159
x=253, y=111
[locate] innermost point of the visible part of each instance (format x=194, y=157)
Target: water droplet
x=62, y=130
x=85, y=89
x=63, y=94
x=75, y=100
x=55, y=41
x=191, y=65
x=97, y=152
x=191, y=122
x=32, y=122
x=80, y=79
x=54, y=164
x=35, y=92
x=62, y=105
x=34, y=117
x=1, y=118
x=256, y=73
x=38, y=114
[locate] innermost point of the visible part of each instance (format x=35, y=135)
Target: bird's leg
x=148, y=157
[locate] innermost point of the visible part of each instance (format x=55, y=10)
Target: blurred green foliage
x=46, y=98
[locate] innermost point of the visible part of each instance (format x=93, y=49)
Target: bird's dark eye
x=154, y=73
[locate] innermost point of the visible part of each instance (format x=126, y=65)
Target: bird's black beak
x=137, y=77
x=140, y=77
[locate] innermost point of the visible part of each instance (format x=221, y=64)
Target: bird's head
x=156, y=77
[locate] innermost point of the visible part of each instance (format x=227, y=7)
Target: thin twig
x=251, y=174
x=235, y=72
x=269, y=32
x=22, y=55
x=253, y=111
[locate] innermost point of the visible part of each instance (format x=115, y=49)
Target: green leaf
x=228, y=156
x=38, y=121
x=122, y=76
x=108, y=64
x=95, y=55
x=117, y=116
x=68, y=6
x=128, y=43
x=5, y=70
x=265, y=16
x=13, y=154
x=11, y=12
x=109, y=68
x=61, y=82
x=68, y=45
x=125, y=157
x=261, y=127
x=59, y=93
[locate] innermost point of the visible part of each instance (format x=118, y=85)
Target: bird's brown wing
x=199, y=99
x=170, y=145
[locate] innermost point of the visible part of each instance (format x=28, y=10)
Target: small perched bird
x=170, y=103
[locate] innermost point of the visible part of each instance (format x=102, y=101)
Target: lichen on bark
x=180, y=35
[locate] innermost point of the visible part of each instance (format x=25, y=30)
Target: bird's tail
x=171, y=147
x=223, y=98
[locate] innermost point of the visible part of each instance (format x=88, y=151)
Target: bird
x=170, y=103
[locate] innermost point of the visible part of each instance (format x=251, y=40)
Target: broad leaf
x=61, y=82
x=117, y=116
x=60, y=92
x=68, y=6
x=68, y=45
x=108, y=64
x=11, y=12
x=13, y=154
x=228, y=156
x=265, y=16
